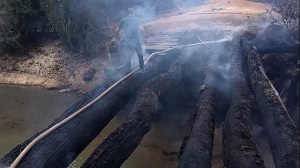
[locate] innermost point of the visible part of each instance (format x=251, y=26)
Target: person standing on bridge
x=131, y=26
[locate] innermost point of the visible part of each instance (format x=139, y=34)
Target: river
x=27, y=110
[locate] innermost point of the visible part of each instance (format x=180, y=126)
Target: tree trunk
x=119, y=145
x=63, y=145
x=282, y=133
x=239, y=149
x=196, y=149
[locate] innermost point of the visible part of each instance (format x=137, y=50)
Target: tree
x=8, y=35
x=288, y=14
x=18, y=22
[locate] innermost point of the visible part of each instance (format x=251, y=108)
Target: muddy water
x=159, y=148
x=26, y=110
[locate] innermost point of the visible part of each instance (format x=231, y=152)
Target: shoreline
x=23, y=79
x=52, y=66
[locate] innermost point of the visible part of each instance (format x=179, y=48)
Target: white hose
x=54, y=127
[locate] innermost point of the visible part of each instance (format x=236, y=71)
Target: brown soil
x=52, y=66
x=213, y=15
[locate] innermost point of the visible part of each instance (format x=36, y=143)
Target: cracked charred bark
x=239, y=149
x=62, y=146
x=120, y=144
x=281, y=131
x=278, y=49
x=196, y=149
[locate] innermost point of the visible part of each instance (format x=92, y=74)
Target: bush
x=288, y=11
x=9, y=35
x=84, y=25
x=19, y=21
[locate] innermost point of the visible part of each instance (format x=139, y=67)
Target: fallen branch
x=281, y=131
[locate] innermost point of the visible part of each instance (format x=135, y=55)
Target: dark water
x=26, y=110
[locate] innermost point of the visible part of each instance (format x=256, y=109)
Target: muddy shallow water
x=26, y=110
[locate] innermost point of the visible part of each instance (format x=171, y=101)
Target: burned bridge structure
x=200, y=68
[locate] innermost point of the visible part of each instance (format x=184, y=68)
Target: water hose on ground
x=56, y=126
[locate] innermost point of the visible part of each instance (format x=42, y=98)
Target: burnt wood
x=63, y=145
x=239, y=149
x=278, y=49
x=267, y=47
x=196, y=150
x=281, y=131
x=120, y=144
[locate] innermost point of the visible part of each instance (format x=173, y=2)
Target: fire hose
x=56, y=126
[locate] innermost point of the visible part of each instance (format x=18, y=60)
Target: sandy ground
x=213, y=15
x=51, y=66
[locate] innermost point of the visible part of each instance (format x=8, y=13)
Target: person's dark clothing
x=138, y=49
x=130, y=25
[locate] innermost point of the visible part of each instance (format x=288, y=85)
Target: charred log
x=62, y=146
x=239, y=149
x=285, y=48
x=281, y=131
x=119, y=145
x=196, y=149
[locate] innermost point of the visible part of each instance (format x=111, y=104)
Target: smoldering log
x=120, y=144
x=62, y=146
x=285, y=48
x=239, y=149
x=196, y=149
x=281, y=131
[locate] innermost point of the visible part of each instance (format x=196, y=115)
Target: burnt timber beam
x=196, y=150
x=120, y=144
x=278, y=49
x=239, y=149
x=62, y=146
x=281, y=131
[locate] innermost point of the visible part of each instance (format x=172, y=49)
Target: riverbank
x=52, y=66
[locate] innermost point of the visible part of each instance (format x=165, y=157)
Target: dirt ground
x=213, y=15
x=52, y=66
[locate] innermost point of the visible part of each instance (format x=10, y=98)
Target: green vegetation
x=288, y=14
x=84, y=26
x=9, y=25
x=23, y=20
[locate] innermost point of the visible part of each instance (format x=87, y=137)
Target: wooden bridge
x=163, y=72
